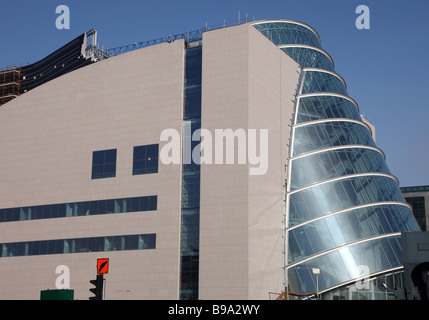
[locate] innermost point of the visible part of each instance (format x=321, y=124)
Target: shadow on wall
x=420, y=279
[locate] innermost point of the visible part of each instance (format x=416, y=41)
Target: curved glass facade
x=319, y=81
x=310, y=57
x=335, y=163
x=326, y=107
x=281, y=33
x=321, y=135
x=344, y=209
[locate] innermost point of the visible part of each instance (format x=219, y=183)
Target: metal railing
x=192, y=36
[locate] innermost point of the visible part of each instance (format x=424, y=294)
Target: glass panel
x=335, y=163
x=288, y=33
x=309, y=58
x=329, y=134
x=341, y=265
x=342, y=194
x=317, y=81
x=145, y=159
x=104, y=164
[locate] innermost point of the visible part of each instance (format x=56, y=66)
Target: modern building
x=84, y=174
x=418, y=198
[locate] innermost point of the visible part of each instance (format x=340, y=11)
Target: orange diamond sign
x=102, y=266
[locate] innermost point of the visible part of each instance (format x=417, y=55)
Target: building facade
x=418, y=198
x=84, y=174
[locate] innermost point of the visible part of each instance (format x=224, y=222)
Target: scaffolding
x=10, y=81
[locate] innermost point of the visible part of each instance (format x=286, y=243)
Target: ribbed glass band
x=318, y=81
x=335, y=163
x=346, y=227
x=347, y=263
x=332, y=196
x=325, y=107
x=321, y=135
x=309, y=58
x=288, y=33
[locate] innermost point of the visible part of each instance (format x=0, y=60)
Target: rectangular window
x=145, y=159
x=78, y=245
x=104, y=164
x=86, y=208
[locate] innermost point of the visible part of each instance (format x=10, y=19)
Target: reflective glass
x=104, y=164
x=288, y=33
x=335, y=163
x=191, y=177
x=317, y=81
x=343, y=265
x=325, y=107
x=332, y=196
x=309, y=58
x=374, y=290
x=346, y=227
x=145, y=159
x=329, y=134
x=84, y=208
x=62, y=246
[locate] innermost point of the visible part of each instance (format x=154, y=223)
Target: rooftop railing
x=189, y=37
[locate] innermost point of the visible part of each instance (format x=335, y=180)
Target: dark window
x=104, y=164
x=86, y=208
x=145, y=159
x=62, y=246
x=418, y=205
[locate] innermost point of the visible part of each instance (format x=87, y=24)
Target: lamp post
x=316, y=271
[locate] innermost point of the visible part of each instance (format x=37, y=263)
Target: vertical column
x=190, y=224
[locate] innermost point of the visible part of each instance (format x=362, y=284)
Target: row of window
x=145, y=161
x=78, y=245
x=85, y=208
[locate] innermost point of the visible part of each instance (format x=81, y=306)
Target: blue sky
x=385, y=67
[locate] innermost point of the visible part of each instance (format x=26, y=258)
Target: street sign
x=102, y=266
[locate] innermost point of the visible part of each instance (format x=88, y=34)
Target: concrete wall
x=415, y=246
x=47, y=137
x=248, y=83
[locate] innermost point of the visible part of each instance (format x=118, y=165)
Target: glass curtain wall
x=344, y=209
x=190, y=226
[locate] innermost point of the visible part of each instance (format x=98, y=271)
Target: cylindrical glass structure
x=344, y=209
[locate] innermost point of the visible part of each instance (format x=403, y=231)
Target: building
x=84, y=174
x=418, y=198
x=415, y=247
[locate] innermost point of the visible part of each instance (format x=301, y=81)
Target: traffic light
x=98, y=290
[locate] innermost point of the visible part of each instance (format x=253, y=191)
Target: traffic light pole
x=98, y=290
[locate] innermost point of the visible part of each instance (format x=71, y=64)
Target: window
x=86, y=208
x=145, y=159
x=104, y=164
x=78, y=245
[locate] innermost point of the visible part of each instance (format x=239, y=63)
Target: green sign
x=63, y=294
